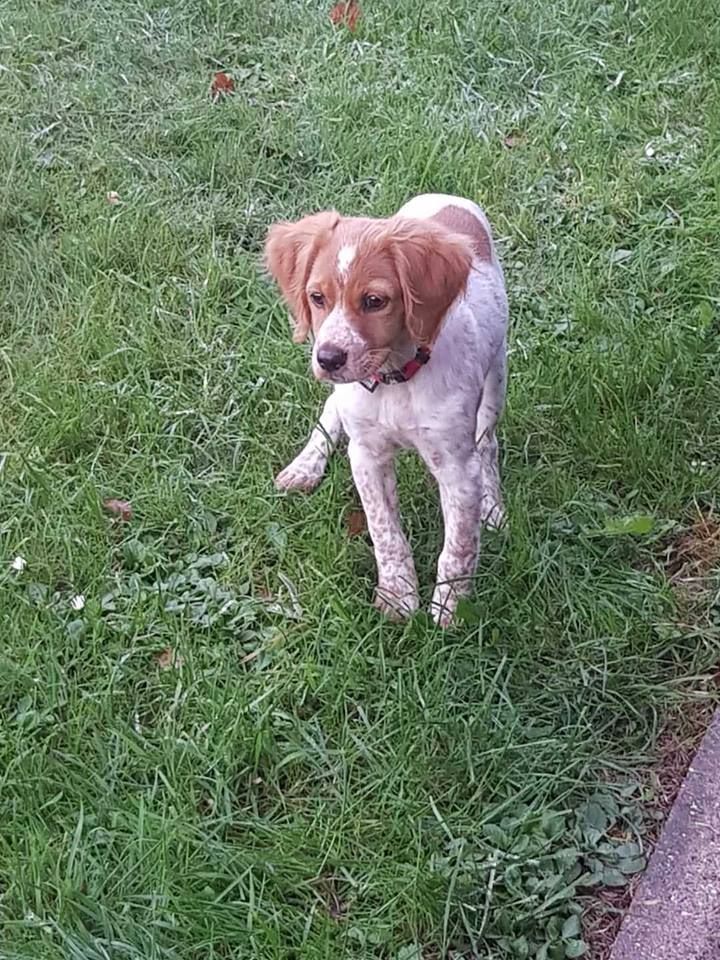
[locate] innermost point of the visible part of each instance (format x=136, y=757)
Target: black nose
x=331, y=358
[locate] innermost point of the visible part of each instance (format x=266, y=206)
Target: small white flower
x=19, y=563
x=77, y=602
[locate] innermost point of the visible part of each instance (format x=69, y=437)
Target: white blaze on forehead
x=346, y=255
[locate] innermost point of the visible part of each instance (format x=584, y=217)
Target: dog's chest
x=402, y=414
x=440, y=401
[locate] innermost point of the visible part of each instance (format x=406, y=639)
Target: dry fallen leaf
x=112, y=197
x=347, y=13
x=514, y=139
x=221, y=86
x=122, y=509
x=168, y=658
x=355, y=523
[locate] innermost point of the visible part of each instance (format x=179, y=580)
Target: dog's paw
x=397, y=596
x=304, y=473
x=394, y=607
x=444, y=601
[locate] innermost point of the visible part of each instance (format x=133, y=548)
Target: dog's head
x=366, y=288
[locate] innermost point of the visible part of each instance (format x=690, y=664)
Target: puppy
x=409, y=318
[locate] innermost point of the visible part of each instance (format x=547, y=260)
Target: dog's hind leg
x=489, y=411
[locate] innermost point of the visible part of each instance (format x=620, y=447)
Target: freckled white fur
x=346, y=255
x=447, y=412
x=338, y=331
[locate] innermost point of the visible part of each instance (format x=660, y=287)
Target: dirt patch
x=689, y=559
x=603, y=916
x=691, y=556
x=328, y=890
x=677, y=744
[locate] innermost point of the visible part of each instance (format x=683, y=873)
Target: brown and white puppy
x=409, y=318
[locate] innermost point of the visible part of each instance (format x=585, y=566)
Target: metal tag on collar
x=370, y=385
x=394, y=376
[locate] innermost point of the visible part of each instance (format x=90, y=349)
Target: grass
x=312, y=781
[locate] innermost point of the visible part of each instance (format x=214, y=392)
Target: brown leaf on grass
x=169, y=659
x=222, y=85
x=122, y=509
x=346, y=13
x=355, y=523
x=514, y=139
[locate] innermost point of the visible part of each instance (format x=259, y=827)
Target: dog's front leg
x=374, y=475
x=460, y=479
x=307, y=469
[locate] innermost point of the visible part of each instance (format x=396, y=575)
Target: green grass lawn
x=310, y=781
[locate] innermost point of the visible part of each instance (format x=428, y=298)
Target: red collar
x=405, y=373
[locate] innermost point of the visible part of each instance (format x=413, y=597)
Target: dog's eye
x=317, y=298
x=372, y=302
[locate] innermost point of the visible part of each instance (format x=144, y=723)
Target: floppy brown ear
x=433, y=266
x=290, y=249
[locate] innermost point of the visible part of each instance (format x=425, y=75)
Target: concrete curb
x=675, y=914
